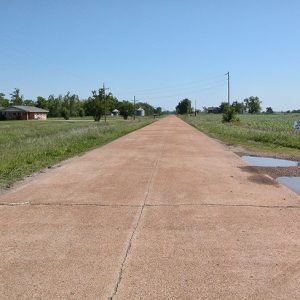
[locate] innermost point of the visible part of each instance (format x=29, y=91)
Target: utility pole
x=228, y=87
x=133, y=107
x=104, y=101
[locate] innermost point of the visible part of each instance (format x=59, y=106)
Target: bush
x=97, y=116
x=229, y=114
x=125, y=114
x=65, y=114
x=81, y=112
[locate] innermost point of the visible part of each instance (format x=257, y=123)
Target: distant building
x=115, y=112
x=140, y=112
x=22, y=112
x=213, y=110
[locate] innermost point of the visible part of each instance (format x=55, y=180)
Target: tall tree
x=54, y=106
x=239, y=107
x=184, y=107
x=41, y=102
x=252, y=105
x=28, y=102
x=94, y=106
x=16, y=97
x=126, y=109
x=3, y=101
x=269, y=110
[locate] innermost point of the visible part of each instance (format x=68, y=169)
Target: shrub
x=65, y=114
x=229, y=114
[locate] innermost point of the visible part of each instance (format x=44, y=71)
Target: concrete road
x=162, y=213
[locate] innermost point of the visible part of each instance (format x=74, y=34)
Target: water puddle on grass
x=260, y=161
x=292, y=183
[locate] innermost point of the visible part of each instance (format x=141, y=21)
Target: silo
x=140, y=112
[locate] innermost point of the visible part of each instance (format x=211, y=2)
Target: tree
x=28, y=102
x=16, y=98
x=239, y=107
x=269, y=110
x=111, y=102
x=81, y=112
x=184, y=107
x=252, y=105
x=41, y=102
x=65, y=113
x=229, y=114
x=158, y=110
x=223, y=106
x=94, y=106
x=126, y=109
x=3, y=101
x=54, y=106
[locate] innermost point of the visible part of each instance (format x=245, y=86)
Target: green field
x=29, y=146
x=271, y=133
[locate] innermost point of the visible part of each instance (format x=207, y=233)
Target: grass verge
x=29, y=146
x=271, y=134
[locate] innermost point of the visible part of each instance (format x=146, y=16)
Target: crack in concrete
x=15, y=203
x=150, y=182
x=28, y=203
x=221, y=205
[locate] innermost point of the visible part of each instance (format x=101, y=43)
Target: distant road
x=162, y=213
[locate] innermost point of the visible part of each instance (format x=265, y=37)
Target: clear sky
x=159, y=51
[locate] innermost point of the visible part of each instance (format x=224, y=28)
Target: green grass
x=29, y=146
x=271, y=133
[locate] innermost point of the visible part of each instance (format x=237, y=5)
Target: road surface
x=162, y=213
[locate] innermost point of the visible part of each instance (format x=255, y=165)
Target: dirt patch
x=273, y=172
x=262, y=179
x=278, y=172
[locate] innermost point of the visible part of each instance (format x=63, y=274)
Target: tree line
x=70, y=105
x=250, y=105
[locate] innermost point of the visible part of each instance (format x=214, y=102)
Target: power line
x=181, y=92
x=187, y=85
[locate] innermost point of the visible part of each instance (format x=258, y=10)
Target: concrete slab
x=214, y=253
x=62, y=252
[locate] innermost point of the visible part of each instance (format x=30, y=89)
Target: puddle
x=292, y=183
x=259, y=161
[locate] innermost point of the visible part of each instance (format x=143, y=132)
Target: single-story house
x=22, y=112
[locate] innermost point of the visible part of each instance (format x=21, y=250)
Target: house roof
x=115, y=110
x=140, y=109
x=25, y=108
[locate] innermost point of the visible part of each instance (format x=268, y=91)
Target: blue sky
x=159, y=51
